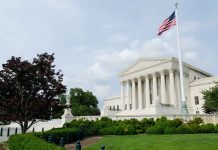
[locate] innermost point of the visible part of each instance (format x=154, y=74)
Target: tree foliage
x=84, y=103
x=61, y=101
x=211, y=100
x=28, y=90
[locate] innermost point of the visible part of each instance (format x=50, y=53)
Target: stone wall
x=207, y=118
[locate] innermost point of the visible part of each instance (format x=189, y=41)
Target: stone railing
x=207, y=118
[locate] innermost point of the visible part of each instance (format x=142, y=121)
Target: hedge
x=162, y=125
x=69, y=134
x=30, y=142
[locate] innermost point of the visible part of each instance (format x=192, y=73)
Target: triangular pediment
x=144, y=63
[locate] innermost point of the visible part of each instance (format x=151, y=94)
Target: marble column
x=122, y=94
x=140, y=102
x=128, y=95
x=163, y=87
x=172, y=88
x=147, y=92
x=133, y=95
x=154, y=88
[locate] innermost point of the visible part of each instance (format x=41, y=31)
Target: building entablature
x=164, y=67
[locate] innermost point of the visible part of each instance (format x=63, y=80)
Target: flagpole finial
x=176, y=5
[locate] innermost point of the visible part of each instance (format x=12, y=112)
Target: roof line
x=166, y=58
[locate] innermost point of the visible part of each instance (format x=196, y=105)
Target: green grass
x=159, y=142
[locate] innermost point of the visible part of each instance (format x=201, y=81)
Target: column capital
x=139, y=78
x=133, y=80
x=122, y=82
x=127, y=81
x=162, y=72
x=171, y=70
x=154, y=75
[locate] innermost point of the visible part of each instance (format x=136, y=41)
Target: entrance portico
x=147, y=89
x=151, y=87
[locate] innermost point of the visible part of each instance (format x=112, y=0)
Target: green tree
x=29, y=90
x=83, y=103
x=211, y=100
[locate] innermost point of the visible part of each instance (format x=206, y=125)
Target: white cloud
x=191, y=55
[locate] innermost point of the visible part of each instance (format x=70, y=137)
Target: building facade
x=151, y=86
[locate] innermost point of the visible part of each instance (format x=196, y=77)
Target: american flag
x=167, y=24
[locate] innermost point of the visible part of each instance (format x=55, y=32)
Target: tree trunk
x=24, y=126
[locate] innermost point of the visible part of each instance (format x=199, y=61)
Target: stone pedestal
x=67, y=116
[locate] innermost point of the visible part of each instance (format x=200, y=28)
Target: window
x=110, y=108
x=194, y=77
x=196, y=100
x=125, y=106
x=117, y=107
x=113, y=107
x=197, y=112
x=130, y=106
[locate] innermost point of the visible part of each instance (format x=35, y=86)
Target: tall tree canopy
x=211, y=100
x=28, y=90
x=83, y=103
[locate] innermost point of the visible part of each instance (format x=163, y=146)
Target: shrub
x=99, y=124
x=175, y=123
x=216, y=128
x=169, y=130
x=106, y=119
x=90, y=131
x=124, y=130
x=161, y=122
x=30, y=142
x=184, y=129
x=195, y=121
x=107, y=131
x=207, y=128
x=81, y=124
x=129, y=130
x=194, y=128
x=69, y=134
x=154, y=130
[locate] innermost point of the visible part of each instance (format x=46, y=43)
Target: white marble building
x=151, y=86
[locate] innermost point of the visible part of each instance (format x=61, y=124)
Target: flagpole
x=183, y=99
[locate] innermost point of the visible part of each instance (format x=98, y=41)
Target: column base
x=184, y=109
x=67, y=118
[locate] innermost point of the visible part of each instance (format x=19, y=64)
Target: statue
x=67, y=116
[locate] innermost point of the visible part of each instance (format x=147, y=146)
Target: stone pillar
x=172, y=87
x=67, y=116
x=178, y=96
x=140, y=102
x=154, y=87
x=133, y=95
x=147, y=92
x=122, y=94
x=128, y=95
x=163, y=88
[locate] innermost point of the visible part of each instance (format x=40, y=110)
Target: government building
x=151, y=86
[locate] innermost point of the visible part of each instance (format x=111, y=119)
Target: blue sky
x=94, y=40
